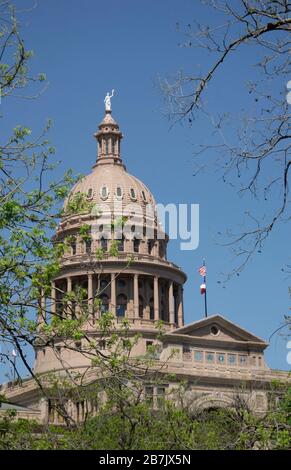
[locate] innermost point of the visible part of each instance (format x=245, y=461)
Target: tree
x=29, y=201
x=169, y=427
x=253, y=152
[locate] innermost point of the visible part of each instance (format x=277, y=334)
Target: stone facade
x=218, y=358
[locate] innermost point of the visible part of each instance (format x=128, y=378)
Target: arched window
x=121, y=305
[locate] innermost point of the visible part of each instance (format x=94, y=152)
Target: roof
x=230, y=330
x=11, y=406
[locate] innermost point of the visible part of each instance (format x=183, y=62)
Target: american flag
x=202, y=270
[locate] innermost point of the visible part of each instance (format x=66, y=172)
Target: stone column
x=53, y=299
x=156, y=297
x=180, y=306
x=135, y=296
x=90, y=294
x=113, y=294
x=171, y=303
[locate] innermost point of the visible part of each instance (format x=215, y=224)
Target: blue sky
x=86, y=49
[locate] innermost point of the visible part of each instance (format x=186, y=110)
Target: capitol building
x=217, y=358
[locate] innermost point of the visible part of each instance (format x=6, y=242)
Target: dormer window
x=118, y=192
x=143, y=195
x=104, y=192
x=132, y=194
x=90, y=193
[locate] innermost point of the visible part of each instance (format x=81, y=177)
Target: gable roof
x=239, y=333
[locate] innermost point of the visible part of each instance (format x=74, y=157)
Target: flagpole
x=14, y=365
x=14, y=355
x=205, y=294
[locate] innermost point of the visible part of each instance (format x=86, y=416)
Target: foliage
x=78, y=203
x=29, y=204
x=121, y=426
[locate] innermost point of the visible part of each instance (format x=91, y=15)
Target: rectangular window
x=121, y=245
x=149, y=343
x=104, y=244
x=220, y=358
x=160, y=397
x=187, y=356
x=149, y=394
x=198, y=356
x=74, y=247
x=113, y=145
x=88, y=246
x=243, y=359
x=253, y=361
x=102, y=344
x=231, y=359
x=260, y=361
x=136, y=244
x=210, y=357
x=51, y=411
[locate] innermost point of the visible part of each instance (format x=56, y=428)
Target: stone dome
x=111, y=182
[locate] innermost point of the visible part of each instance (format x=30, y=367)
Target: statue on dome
x=107, y=101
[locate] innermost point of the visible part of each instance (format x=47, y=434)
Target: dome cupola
x=108, y=137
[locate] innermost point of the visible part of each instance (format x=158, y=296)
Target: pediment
x=217, y=328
